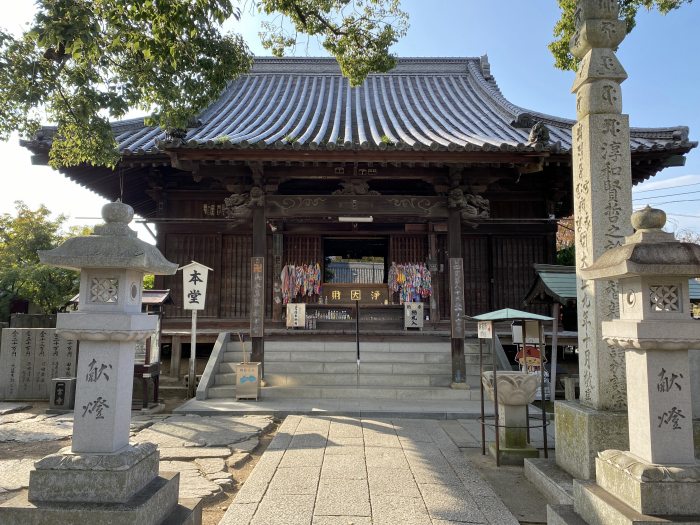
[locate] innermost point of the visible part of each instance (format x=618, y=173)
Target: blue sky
x=660, y=56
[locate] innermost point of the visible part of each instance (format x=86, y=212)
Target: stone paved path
x=341, y=471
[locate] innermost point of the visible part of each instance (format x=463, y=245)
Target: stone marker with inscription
x=102, y=478
x=603, y=201
x=30, y=358
x=658, y=475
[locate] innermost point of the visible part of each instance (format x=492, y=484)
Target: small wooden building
x=424, y=163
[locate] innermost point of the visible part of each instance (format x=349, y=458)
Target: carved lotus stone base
x=649, y=489
x=514, y=388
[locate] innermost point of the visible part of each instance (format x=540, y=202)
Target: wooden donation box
x=247, y=381
x=413, y=315
x=296, y=315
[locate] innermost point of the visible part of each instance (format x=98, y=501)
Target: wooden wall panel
x=301, y=249
x=183, y=249
x=477, y=279
x=513, y=273
x=408, y=249
x=235, y=276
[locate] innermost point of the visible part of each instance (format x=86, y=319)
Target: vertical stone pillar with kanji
x=603, y=201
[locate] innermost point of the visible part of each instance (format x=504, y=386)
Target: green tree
x=22, y=276
x=565, y=27
x=84, y=62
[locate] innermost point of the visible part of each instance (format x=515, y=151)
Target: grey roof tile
x=423, y=103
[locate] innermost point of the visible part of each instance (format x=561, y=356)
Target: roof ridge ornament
x=485, y=67
x=539, y=134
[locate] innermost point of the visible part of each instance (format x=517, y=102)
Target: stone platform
x=147, y=507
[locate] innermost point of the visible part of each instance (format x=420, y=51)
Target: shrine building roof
x=439, y=104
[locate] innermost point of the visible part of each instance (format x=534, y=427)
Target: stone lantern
x=102, y=478
x=659, y=474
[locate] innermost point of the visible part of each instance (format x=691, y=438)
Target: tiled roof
x=448, y=104
x=559, y=283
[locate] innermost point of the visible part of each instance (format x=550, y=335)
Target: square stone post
x=603, y=201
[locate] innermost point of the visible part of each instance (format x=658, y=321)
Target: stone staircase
x=405, y=368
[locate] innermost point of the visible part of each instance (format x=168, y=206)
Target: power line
x=668, y=195
x=683, y=215
x=670, y=187
x=672, y=202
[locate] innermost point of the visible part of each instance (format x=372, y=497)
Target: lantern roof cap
x=649, y=251
x=111, y=245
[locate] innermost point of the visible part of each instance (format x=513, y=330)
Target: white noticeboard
x=194, y=285
x=296, y=315
x=532, y=329
x=484, y=330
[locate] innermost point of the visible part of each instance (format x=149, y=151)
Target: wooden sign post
x=194, y=290
x=457, y=318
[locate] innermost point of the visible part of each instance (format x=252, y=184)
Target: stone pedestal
x=581, y=432
x=515, y=391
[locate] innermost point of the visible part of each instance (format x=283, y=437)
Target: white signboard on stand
x=194, y=285
x=484, y=330
x=194, y=290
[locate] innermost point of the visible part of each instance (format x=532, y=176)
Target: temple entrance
x=353, y=260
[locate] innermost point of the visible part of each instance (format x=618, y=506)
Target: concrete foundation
x=513, y=456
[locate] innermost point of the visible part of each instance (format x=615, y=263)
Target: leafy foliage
x=357, y=32
x=21, y=274
x=84, y=62
x=564, y=28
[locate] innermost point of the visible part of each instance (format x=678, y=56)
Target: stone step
x=313, y=356
x=225, y=379
x=351, y=380
x=366, y=392
x=222, y=391
x=188, y=511
x=233, y=356
x=351, y=368
x=348, y=346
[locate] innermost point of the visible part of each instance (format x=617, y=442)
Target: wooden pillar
x=257, y=307
x=454, y=227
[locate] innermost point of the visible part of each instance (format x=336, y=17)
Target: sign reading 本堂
x=30, y=358
x=194, y=285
